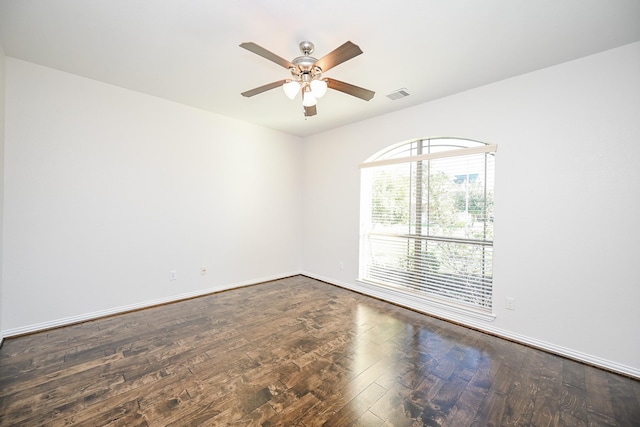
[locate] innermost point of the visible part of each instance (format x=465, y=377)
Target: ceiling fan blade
x=338, y=56
x=259, y=50
x=350, y=89
x=310, y=111
x=264, y=88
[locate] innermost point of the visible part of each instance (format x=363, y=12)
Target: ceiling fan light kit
x=306, y=74
x=308, y=99
x=291, y=88
x=318, y=88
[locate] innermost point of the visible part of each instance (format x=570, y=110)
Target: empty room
x=255, y=213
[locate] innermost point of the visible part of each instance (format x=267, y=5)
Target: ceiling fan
x=306, y=74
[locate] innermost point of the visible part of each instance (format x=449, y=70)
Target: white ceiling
x=187, y=50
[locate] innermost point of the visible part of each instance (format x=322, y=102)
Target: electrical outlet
x=172, y=275
x=203, y=270
x=341, y=265
x=510, y=303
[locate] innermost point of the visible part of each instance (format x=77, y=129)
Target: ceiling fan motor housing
x=303, y=66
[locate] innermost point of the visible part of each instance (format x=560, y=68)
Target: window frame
x=412, y=152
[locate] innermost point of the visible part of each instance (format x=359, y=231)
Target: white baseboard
x=478, y=323
x=29, y=329
x=397, y=298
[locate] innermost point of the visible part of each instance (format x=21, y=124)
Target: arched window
x=427, y=220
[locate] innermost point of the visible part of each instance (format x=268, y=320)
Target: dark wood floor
x=297, y=352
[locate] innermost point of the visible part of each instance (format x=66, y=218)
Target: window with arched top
x=427, y=220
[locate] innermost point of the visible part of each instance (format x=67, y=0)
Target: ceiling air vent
x=400, y=93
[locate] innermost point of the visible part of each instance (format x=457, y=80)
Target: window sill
x=425, y=304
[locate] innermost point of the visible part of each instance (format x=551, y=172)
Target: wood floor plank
x=492, y=411
x=296, y=352
x=598, y=399
x=547, y=403
x=465, y=410
x=624, y=401
x=357, y=407
x=520, y=398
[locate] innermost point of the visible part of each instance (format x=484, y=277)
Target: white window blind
x=427, y=220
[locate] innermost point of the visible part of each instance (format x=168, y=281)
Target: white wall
x=107, y=190
x=2, y=109
x=567, y=208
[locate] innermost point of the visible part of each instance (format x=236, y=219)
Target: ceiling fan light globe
x=308, y=100
x=291, y=89
x=318, y=88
